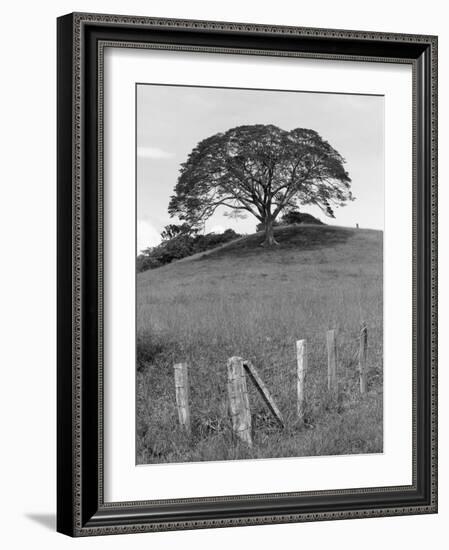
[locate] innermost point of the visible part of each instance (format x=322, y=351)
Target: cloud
x=146, y=236
x=154, y=153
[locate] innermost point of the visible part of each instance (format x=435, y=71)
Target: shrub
x=181, y=245
x=292, y=217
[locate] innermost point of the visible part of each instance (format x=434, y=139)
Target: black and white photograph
x=222, y=293
x=259, y=273
x=246, y=275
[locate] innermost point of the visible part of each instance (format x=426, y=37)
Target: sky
x=171, y=120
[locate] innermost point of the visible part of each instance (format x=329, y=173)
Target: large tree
x=263, y=170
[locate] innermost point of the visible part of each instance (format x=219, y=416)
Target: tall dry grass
x=255, y=303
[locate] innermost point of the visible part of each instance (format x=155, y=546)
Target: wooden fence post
x=182, y=395
x=332, y=383
x=301, y=358
x=362, y=358
x=238, y=400
x=263, y=390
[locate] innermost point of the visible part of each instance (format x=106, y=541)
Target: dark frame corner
x=81, y=510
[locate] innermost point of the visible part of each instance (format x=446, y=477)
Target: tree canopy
x=263, y=170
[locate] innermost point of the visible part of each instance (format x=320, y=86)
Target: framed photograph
x=247, y=283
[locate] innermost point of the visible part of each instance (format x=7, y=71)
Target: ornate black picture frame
x=81, y=510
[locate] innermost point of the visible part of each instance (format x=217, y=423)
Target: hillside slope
x=295, y=238
x=253, y=302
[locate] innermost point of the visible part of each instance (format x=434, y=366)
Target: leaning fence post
x=263, y=390
x=238, y=400
x=301, y=358
x=362, y=357
x=332, y=383
x=182, y=395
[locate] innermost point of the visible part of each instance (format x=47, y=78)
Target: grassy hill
x=243, y=299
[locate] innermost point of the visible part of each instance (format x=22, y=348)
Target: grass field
x=254, y=302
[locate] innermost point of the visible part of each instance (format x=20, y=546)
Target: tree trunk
x=269, y=233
